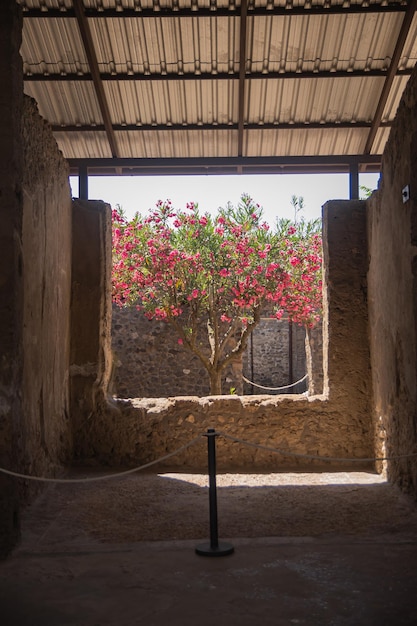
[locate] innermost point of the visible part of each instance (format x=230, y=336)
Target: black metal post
x=252, y=369
x=214, y=548
x=83, y=182
x=290, y=356
x=353, y=181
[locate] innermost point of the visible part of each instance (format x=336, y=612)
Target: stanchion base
x=206, y=549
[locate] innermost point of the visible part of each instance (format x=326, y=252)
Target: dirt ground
x=336, y=549
x=173, y=506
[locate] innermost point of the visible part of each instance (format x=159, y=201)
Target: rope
x=314, y=456
x=106, y=476
x=275, y=388
x=191, y=443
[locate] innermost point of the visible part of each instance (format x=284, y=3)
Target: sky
x=272, y=192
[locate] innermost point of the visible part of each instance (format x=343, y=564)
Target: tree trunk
x=215, y=382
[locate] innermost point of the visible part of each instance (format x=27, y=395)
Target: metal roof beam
x=227, y=166
x=192, y=162
x=95, y=73
x=405, y=28
x=372, y=73
x=127, y=13
x=73, y=128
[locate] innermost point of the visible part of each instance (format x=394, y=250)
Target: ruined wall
x=143, y=430
x=90, y=313
x=392, y=288
x=46, y=435
x=35, y=245
x=275, y=357
x=347, y=366
x=11, y=266
x=337, y=424
x=148, y=362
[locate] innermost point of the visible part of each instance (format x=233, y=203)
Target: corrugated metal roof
x=172, y=81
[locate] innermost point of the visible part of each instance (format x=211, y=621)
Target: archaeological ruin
x=56, y=316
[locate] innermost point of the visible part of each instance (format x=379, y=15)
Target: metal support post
x=353, y=181
x=83, y=182
x=214, y=548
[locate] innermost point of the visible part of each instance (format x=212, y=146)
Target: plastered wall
x=46, y=427
x=392, y=289
x=90, y=315
x=11, y=266
x=35, y=287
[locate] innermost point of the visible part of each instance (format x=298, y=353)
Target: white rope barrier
x=313, y=456
x=191, y=443
x=274, y=388
x=94, y=479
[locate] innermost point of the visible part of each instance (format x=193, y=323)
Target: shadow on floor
x=324, y=553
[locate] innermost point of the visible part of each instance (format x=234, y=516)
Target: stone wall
x=392, y=287
x=90, y=313
x=370, y=319
x=35, y=275
x=11, y=266
x=336, y=424
x=347, y=366
x=275, y=357
x=148, y=362
x=46, y=307
x=142, y=430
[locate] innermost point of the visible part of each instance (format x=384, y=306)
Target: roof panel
x=312, y=100
x=380, y=140
x=162, y=46
x=173, y=102
x=174, y=144
x=83, y=145
x=394, y=98
x=409, y=53
x=322, y=42
x=52, y=46
x=297, y=142
x=67, y=103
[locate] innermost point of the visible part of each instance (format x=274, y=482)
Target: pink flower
x=180, y=341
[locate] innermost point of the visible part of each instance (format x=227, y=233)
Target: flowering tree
x=187, y=268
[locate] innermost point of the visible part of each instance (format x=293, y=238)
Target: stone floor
x=73, y=569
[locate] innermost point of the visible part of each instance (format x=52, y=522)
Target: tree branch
x=246, y=332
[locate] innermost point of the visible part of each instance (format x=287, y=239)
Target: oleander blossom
x=184, y=267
